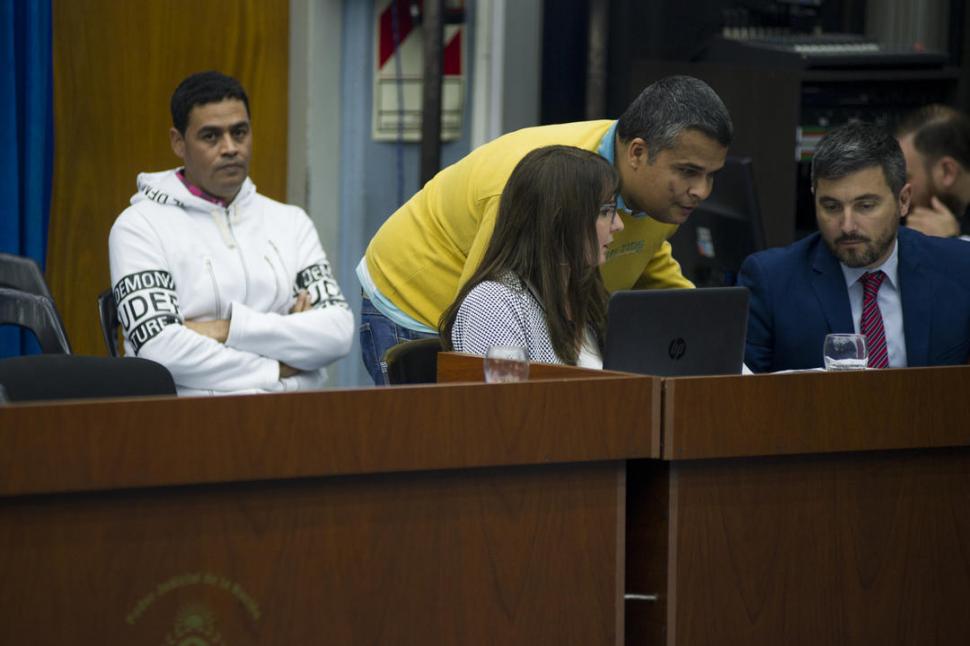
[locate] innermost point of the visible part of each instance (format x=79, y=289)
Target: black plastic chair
x=22, y=274
x=43, y=377
x=413, y=362
x=37, y=314
x=108, y=311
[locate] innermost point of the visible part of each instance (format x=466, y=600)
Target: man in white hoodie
x=228, y=289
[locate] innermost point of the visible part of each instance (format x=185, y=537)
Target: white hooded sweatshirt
x=177, y=257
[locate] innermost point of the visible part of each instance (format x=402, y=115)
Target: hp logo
x=677, y=348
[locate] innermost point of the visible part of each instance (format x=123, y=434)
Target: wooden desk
x=806, y=508
x=446, y=514
x=790, y=509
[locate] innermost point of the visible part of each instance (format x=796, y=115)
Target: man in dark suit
x=908, y=293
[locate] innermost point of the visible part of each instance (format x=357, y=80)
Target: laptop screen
x=677, y=332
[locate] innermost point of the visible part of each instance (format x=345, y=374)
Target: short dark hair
x=938, y=131
x=546, y=229
x=856, y=146
x=672, y=105
x=202, y=88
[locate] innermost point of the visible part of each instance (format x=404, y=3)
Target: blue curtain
x=26, y=139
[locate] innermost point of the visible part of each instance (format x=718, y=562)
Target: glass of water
x=506, y=364
x=845, y=352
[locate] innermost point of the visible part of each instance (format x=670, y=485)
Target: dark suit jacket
x=798, y=295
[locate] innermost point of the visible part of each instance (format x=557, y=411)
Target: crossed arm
x=218, y=330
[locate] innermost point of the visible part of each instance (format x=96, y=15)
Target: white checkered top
x=503, y=313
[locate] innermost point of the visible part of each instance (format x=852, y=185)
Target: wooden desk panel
x=442, y=514
x=104, y=445
x=810, y=508
x=816, y=412
x=844, y=549
x=455, y=367
x=527, y=555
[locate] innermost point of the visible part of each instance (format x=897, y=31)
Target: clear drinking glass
x=506, y=364
x=845, y=352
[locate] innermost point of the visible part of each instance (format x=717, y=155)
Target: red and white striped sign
x=399, y=63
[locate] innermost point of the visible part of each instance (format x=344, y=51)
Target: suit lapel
x=829, y=285
x=916, y=299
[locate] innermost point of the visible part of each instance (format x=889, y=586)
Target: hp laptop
x=677, y=332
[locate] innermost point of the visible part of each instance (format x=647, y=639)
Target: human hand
x=287, y=371
x=302, y=303
x=218, y=329
x=937, y=220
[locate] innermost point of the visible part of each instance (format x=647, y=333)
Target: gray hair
x=670, y=106
x=857, y=146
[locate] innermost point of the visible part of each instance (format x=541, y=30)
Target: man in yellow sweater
x=666, y=147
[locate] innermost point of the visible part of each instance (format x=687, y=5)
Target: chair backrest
x=108, y=311
x=37, y=314
x=22, y=274
x=42, y=377
x=413, y=362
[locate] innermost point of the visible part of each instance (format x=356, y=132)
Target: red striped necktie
x=871, y=323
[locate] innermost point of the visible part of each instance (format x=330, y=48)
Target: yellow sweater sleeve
x=640, y=257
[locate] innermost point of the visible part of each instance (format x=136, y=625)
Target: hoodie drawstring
x=219, y=218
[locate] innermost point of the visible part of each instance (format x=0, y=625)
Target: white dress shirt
x=890, y=305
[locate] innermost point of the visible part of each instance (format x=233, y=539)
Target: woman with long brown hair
x=538, y=285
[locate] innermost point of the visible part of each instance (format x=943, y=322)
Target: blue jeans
x=377, y=334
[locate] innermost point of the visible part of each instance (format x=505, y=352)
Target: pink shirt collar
x=198, y=192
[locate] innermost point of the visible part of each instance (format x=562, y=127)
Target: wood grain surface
x=454, y=367
x=865, y=548
x=115, y=67
x=150, y=442
x=816, y=412
x=525, y=555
